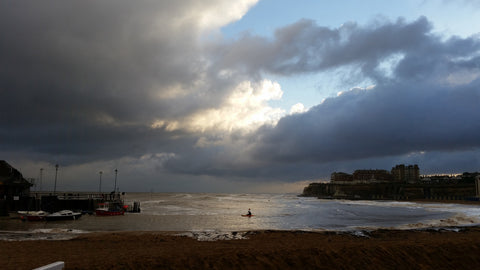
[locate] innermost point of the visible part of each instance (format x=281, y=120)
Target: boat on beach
x=33, y=215
x=63, y=215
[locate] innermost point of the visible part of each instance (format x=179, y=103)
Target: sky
x=243, y=96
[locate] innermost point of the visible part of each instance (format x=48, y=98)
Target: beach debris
x=360, y=234
x=215, y=235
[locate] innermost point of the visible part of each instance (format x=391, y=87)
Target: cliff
x=391, y=191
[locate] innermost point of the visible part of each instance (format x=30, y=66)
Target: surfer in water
x=249, y=214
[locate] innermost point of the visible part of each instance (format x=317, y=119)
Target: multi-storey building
x=408, y=174
x=372, y=175
x=341, y=177
x=400, y=173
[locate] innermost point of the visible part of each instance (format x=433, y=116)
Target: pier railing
x=79, y=195
x=85, y=201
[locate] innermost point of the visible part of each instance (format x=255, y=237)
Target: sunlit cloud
x=298, y=108
x=222, y=13
x=245, y=109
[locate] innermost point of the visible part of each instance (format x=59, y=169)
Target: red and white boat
x=107, y=209
x=33, y=215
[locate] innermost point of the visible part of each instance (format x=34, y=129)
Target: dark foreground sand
x=383, y=249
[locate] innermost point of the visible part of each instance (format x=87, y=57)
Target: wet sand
x=382, y=249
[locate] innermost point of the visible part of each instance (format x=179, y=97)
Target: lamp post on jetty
x=41, y=173
x=100, y=185
x=55, y=185
x=115, y=187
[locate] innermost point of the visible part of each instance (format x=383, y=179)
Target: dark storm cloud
x=388, y=120
x=83, y=77
x=87, y=59
x=429, y=102
x=306, y=47
x=426, y=105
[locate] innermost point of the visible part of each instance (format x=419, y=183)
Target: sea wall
x=391, y=191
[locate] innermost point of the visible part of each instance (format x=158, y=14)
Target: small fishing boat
x=63, y=215
x=107, y=209
x=33, y=215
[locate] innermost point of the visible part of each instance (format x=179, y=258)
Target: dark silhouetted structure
x=13, y=188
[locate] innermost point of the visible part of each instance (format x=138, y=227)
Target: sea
x=208, y=216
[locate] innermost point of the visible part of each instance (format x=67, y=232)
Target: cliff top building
x=361, y=176
x=399, y=173
x=372, y=175
x=407, y=174
x=341, y=177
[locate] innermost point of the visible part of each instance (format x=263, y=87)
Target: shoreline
x=445, y=201
x=55, y=235
x=464, y=202
x=265, y=249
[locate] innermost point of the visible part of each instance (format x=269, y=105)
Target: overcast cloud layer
x=152, y=88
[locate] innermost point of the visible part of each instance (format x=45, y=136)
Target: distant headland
x=402, y=182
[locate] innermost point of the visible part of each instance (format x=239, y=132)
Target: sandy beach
x=382, y=249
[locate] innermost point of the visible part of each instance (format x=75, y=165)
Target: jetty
x=86, y=202
x=15, y=195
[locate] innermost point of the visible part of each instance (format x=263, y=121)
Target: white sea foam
x=58, y=230
x=40, y=234
x=382, y=203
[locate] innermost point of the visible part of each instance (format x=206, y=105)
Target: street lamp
x=55, y=186
x=100, y=185
x=41, y=173
x=115, y=187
